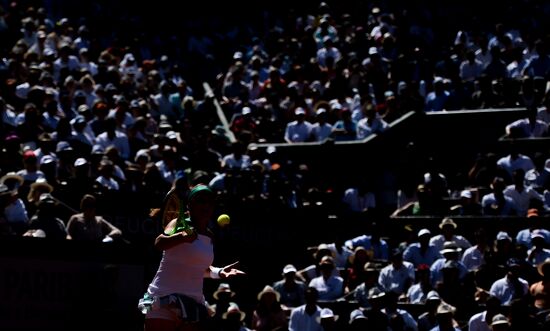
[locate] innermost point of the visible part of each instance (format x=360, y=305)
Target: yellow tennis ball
x=223, y=220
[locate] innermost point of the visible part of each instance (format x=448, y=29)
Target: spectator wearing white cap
x=298, y=130
x=82, y=183
x=48, y=165
x=291, y=289
x=421, y=252
x=467, y=206
x=128, y=66
x=243, y=122
x=538, y=253
x=357, y=320
x=321, y=130
x=328, y=319
x=521, y=195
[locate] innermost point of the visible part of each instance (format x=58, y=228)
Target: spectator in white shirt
x=421, y=252
x=530, y=127
x=329, y=286
x=515, y=68
x=437, y=99
x=524, y=236
x=538, y=253
x=471, y=68
x=298, y=130
x=482, y=321
x=328, y=51
x=237, y=159
x=398, y=275
x=114, y=137
x=514, y=161
x=521, y=195
x=371, y=123
x=450, y=260
x=391, y=310
x=496, y=203
x=359, y=199
x=306, y=317
x=321, y=130
x=419, y=292
x=105, y=179
x=448, y=228
x=474, y=256
x=14, y=211
x=511, y=286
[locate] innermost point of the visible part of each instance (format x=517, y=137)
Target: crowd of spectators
x=112, y=119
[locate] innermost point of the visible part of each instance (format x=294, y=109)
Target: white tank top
x=182, y=269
